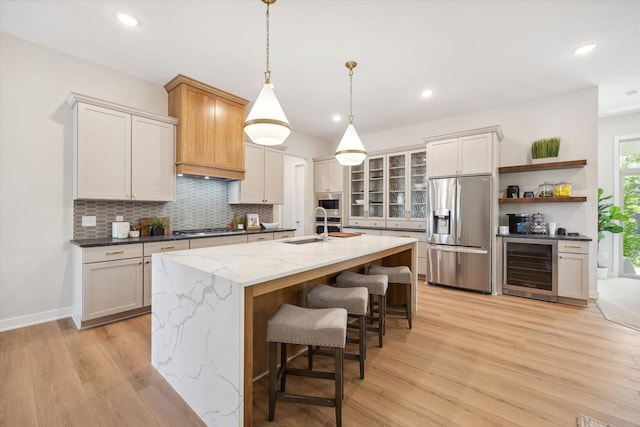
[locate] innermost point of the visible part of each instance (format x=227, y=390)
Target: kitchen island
x=210, y=308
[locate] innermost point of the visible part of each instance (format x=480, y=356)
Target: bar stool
x=354, y=300
x=326, y=327
x=401, y=275
x=377, y=285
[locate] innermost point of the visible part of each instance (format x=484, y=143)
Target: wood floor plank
x=17, y=399
x=167, y=407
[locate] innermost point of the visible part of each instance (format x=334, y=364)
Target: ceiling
x=474, y=55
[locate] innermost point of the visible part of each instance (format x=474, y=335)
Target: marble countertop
x=546, y=236
x=249, y=264
x=108, y=241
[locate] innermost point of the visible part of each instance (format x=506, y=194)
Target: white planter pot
x=602, y=272
x=544, y=160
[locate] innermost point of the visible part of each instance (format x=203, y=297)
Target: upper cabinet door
x=442, y=158
x=328, y=176
x=273, y=176
x=103, y=153
x=475, y=154
x=153, y=160
x=252, y=186
x=229, y=124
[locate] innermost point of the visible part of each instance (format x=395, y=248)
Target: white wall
x=608, y=129
x=573, y=117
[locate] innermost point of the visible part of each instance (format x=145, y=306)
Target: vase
x=544, y=160
x=158, y=231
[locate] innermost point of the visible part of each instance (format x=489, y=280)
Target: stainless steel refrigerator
x=459, y=232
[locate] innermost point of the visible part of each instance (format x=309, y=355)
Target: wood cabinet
x=107, y=282
x=573, y=269
x=259, y=237
x=328, y=176
x=422, y=246
x=464, y=155
x=207, y=242
x=121, y=153
x=279, y=235
x=210, y=139
x=153, y=248
x=264, y=179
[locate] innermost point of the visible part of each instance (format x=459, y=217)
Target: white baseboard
x=34, y=319
x=593, y=294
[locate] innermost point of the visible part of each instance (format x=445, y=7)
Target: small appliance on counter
x=538, y=226
x=518, y=223
x=513, y=192
x=120, y=229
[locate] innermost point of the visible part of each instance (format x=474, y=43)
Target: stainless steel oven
x=530, y=268
x=332, y=203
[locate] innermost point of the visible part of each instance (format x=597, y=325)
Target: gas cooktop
x=207, y=231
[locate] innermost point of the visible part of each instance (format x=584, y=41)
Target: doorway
x=628, y=192
x=292, y=210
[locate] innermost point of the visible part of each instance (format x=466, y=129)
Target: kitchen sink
x=304, y=241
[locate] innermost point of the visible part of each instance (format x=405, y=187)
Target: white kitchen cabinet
x=406, y=196
x=150, y=249
x=328, y=176
x=207, y=242
x=122, y=153
x=279, y=235
x=107, y=283
x=259, y=237
x=573, y=269
x=264, y=177
x=373, y=232
x=367, y=192
x=465, y=155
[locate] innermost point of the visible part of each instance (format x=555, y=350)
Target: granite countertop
x=108, y=241
x=546, y=236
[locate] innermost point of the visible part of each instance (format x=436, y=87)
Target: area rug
x=619, y=301
x=585, y=421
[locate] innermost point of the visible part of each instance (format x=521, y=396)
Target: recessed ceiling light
x=583, y=50
x=180, y=174
x=126, y=19
x=426, y=93
x=206, y=177
x=336, y=118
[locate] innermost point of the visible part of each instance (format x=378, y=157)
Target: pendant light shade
x=350, y=151
x=266, y=123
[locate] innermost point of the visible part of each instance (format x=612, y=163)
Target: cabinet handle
x=167, y=247
x=133, y=196
x=572, y=246
x=147, y=262
x=139, y=262
x=560, y=257
x=260, y=238
x=115, y=252
x=404, y=235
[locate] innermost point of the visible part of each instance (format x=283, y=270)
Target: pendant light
x=266, y=123
x=350, y=151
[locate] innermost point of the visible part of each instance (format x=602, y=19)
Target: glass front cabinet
x=407, y=194
x=389, y=191
x=367, y=193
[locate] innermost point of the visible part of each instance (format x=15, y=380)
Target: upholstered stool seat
x=401, y=275
x=376, y=285
x=325, y=327
x=354, y=300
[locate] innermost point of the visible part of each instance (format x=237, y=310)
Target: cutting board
x=144, y=222
x=341, y=234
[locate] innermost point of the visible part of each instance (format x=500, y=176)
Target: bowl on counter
x=360, y=202
x=270, y=225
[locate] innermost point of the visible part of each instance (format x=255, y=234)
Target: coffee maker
x=518, y=223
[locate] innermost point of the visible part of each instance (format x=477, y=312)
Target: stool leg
x=339, y=378
x=273, y=350
x=362, y=343
x=371, y=308
x=381, y=318
x=407, y=296
x=283, y=366
x=310, y=357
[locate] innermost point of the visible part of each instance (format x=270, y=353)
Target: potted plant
x=240, y=223
x=607, y=215
x=156, y=227
x=545, y=150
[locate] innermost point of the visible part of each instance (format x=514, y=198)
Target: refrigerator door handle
x=459, y=249
x=458, y=221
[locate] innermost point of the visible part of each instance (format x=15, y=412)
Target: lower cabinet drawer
x=168, y=246
x=259, y=237
x=111, y=253
x=572, y=246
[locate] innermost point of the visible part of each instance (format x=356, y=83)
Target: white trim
x=489, y=129
x=77, y=97
x=34, y=319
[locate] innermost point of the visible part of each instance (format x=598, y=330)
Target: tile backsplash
x=200, y=203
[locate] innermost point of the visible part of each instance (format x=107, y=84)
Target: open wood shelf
x=579, y=199
x=543, y=166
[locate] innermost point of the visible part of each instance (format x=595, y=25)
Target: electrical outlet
x=119, y=218
x=89, y=221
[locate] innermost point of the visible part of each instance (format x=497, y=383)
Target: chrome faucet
x=325, y=235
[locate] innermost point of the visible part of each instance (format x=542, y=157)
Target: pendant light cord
x=350, y=96
x=267, y=74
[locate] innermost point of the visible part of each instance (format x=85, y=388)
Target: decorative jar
x=546, y=189
x=563, y=189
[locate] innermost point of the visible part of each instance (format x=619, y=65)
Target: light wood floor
x=470, y=360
